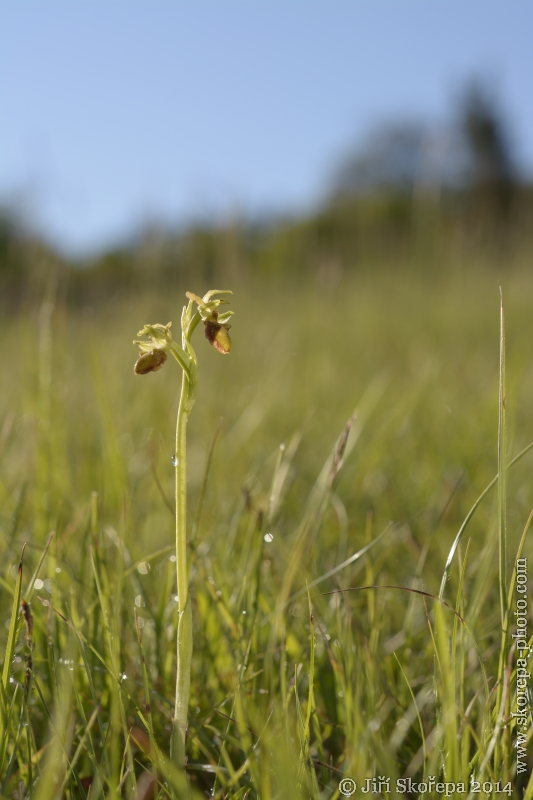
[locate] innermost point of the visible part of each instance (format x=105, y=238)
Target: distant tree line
x=472, y=154
x=409, y=194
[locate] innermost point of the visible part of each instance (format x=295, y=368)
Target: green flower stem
x=181, y=495
x=183, y=686
x=189, y=384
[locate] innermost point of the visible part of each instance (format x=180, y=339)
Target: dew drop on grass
x=144, y=568
x=175, y=460
x=268, y=537
x=38, y=584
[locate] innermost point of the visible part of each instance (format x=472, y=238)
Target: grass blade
x=502, y=481
x=471, y=513
x=5, y=709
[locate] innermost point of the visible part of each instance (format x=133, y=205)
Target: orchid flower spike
x=154, y=351
x=159, y=342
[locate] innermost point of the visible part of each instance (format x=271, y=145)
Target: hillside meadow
x=357, y=411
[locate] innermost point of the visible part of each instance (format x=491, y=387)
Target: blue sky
x=115, y=113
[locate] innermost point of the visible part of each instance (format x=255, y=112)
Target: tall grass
x=360, y=425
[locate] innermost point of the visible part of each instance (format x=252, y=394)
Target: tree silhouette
x=491, y=173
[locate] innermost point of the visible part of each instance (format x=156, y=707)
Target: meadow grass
x=354, y=423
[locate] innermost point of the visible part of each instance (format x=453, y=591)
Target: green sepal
x=224, y=318
x=211, y=292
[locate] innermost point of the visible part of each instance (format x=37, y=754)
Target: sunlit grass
x=285, y=699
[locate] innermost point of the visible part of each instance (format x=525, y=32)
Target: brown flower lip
x=150, y=362
x=217, y=335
